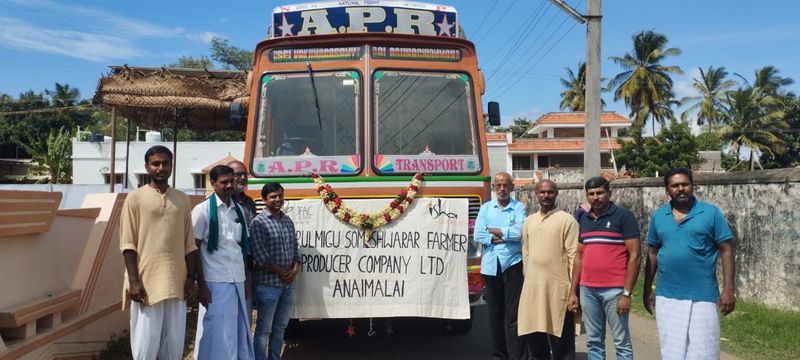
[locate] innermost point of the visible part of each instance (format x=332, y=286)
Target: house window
x=544, y=161
x=142, y=179
x=117, y=178
x=521, y=162
x=199, y=181
x=567, y=160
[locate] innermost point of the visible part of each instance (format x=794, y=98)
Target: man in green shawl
x=220, y=230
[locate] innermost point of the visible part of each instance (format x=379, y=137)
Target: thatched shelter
x=159, y=98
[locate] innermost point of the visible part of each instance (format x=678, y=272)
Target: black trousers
x=502, y=297
x=541, y=346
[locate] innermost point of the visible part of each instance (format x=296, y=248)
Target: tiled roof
x=495, y=136
x=224, y=161
x=560, y=144
x=560, y=118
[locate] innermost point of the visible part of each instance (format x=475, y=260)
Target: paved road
x=424, y=339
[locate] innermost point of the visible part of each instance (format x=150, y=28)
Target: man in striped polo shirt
x=605, y=270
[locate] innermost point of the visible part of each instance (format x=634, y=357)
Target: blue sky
x=47, y=41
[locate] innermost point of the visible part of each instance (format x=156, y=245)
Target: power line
x=536, y=52
x=497, y=21
x=23, y=112
x=486, y=17
x=521, y=33
x=537, y=62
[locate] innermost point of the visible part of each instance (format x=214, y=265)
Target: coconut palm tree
x=645, y=83
x=770, y=83
x=63, y=95
x=573, y=98
x=712, y=88
x=752, y=121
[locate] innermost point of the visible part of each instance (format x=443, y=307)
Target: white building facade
x=91, y=162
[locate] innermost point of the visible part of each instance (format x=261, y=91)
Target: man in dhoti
x=685, y=239
x=549, y=244
x=220, y=229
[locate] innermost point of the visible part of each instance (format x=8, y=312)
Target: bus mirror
x=236, y=116
x=494, y=113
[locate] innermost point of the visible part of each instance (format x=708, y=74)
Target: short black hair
x=218, y=170
x=269, y=188
x=596, y=182
x=675, y=171
x=157, y=149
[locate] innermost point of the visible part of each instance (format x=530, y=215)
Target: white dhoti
x=223, y=330
x=687, y=329
x=158, y=330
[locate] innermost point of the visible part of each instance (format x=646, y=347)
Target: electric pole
x=591, y=136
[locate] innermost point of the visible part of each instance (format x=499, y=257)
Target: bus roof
x=386, y=16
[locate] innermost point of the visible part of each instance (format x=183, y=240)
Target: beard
x=238, y=188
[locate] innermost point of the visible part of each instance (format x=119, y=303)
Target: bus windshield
x=294, y=137
x=425, y=121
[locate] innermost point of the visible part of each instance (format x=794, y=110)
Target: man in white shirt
x=220, y=229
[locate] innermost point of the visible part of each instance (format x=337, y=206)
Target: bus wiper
x=314, y=88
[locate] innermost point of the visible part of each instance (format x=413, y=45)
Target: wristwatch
x=626, y=293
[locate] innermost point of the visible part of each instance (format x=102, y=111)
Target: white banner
x=415, y=266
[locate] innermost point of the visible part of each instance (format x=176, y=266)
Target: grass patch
x=754, y=331
x=751, y=331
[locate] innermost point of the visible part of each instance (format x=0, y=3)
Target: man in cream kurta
x=161, y=261
x=549, y=243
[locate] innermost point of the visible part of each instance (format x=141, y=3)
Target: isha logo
x=436, y=210
x=297, y=212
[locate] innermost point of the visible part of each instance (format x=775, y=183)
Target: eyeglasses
x=240, y=174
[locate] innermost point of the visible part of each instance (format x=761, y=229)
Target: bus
x=366, y=96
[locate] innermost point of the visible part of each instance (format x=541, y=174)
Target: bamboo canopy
x=158, y=98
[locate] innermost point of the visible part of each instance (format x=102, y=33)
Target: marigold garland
x=375, y=219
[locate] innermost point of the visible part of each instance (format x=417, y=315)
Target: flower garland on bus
x=368, y=221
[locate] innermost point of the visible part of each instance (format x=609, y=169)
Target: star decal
x=444, y=27
x=351, y=330
x=285, y=27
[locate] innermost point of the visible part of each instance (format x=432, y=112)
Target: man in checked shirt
x=275, y=251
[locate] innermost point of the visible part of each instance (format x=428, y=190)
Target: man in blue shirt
x=499, y=229
x=685, y=239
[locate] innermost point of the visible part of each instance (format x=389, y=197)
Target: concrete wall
x=761, y=209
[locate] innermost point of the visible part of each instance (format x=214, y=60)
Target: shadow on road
x=412, y=338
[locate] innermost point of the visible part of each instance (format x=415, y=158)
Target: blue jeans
x=600, y=305
x=273, y=304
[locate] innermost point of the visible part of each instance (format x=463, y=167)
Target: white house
x=91, y=161
x=558, y=148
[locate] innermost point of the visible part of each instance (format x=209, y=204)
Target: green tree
x=790, y=157
x=712, y=86
x=770, y=83
x=519, y=129
x=674, y=146
x=752, y=122
x=573, y=98
x=190, y=62
x=231, y=57
x=53, y=156
x=645, y=84
x=34, y=115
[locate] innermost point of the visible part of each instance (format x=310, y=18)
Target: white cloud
x=88, y=46
x=205, y=37
x=82, y=32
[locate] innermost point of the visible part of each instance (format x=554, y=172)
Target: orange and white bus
x=366, y=94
